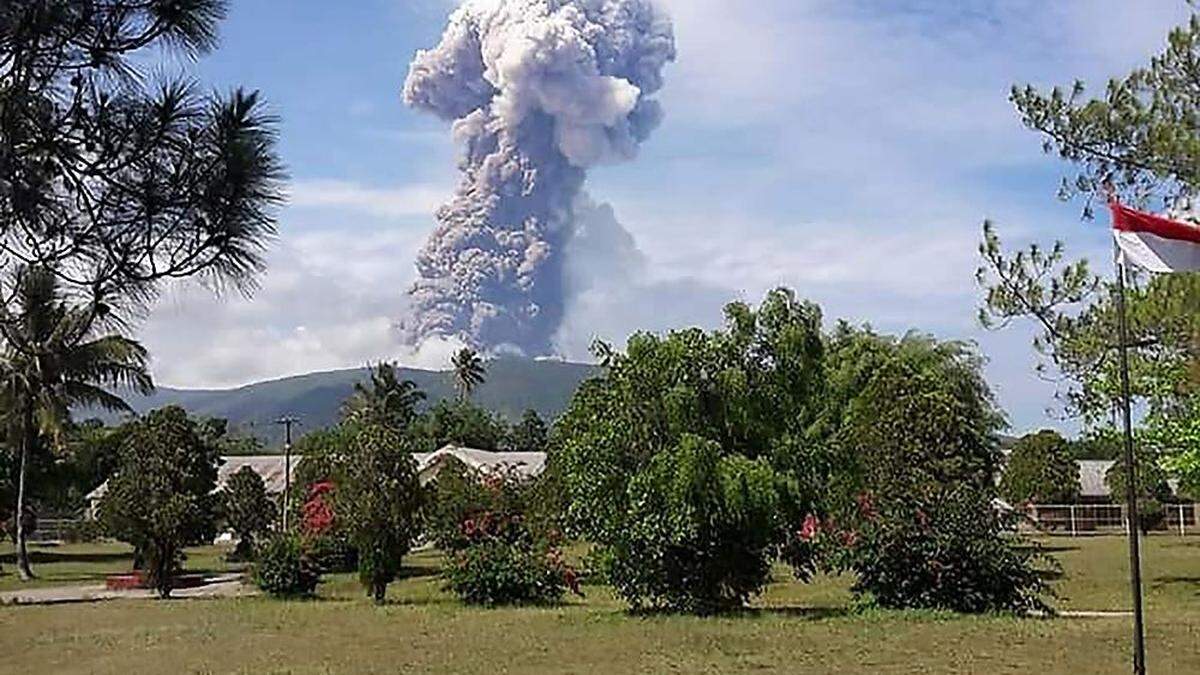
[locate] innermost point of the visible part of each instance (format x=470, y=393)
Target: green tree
x=752, y=389
x=461, y=423
x=1152, y=490
x=54, y=360
x=247, y=509
x=1041, y=469
x=1140, y=137
x=469, y=372
x=117, y=181
x=528, y=435
x=906, y=412
x=1076, y=313
x=386, y=399
x=381, y=502
x=161, y=498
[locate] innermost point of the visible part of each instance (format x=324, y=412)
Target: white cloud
x=409, y=200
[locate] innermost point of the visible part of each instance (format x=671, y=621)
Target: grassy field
x=794, y=627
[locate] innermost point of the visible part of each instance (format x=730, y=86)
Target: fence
x=50, y=530
x=1083, y=519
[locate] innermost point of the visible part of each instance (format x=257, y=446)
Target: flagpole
x=1135, y=554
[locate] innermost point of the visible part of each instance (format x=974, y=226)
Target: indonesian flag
x=1155, y=243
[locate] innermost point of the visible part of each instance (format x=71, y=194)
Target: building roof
x=269, y=467
x=527, y=464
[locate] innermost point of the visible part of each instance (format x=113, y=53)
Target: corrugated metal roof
x=528, y=464
x=269, y=467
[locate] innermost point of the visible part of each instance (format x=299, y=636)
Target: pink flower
x=866, y=506
x=811, y=527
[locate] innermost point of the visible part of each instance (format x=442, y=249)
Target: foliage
x=1175, y=437
x=528, y=435
x=247, y=510
x=1141, y=136
x=161, y=498
x=496, y=572
x=1098, y=443
x=701, y=530
x=387, y=400
x=944, y=548
x=469, y=372
x=908, y=413
x=460, y=423
x=119, y=181
x=1151, y=487
x=753, y=388
x=53, y=360
x=1076, y=313
x=381, y=502
x=1040, y=469
x=284, y=569
x=1138, y=142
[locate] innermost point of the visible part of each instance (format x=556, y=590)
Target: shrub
x=949, y=549
x=247, y=509
x=498, y=572
x=327, y=543
x=461, y=494
x=701, y=530
x=284, y=569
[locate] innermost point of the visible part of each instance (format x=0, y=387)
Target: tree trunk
x=23, y=568
x=379, y=591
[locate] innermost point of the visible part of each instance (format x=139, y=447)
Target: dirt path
x=220, y=586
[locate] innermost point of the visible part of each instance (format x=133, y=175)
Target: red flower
x=866, y=506
x=811, y=527
x=468, y=527
x=849, y=538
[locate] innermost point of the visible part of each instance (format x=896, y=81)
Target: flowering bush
x=947, y=548
x=284, y=569
x=499, y=564
x=327, y=545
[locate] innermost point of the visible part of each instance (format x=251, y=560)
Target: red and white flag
x=1155, y=243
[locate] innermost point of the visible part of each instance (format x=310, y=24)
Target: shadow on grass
x=418, y=571
x=45, y=557
x=1165, y=581
x=785, y=611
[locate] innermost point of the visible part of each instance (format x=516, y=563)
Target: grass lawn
x=794, y=627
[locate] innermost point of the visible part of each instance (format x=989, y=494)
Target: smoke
x=538, y=91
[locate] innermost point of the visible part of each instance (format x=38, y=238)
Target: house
x=526, y=464
x=271, y=468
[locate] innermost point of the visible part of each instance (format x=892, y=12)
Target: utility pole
x=287, y=421
x=1134, y=521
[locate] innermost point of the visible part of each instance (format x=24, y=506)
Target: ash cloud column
x=537, y=92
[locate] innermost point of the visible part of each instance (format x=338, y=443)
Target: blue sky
x=849, y=149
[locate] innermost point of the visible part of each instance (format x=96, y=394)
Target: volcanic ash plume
x=538, y=92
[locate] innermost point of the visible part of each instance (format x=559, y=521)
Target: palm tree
x=469, y=372
x=52, y=360
x=388, y=399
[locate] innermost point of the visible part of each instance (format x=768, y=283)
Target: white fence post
x=1181, y=531
x=1074, y=531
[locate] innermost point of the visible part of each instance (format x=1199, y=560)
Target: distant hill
x=513, y=385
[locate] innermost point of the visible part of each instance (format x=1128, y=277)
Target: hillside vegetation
x=513, y=385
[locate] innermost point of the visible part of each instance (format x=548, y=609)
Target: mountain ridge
x=512, y=386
